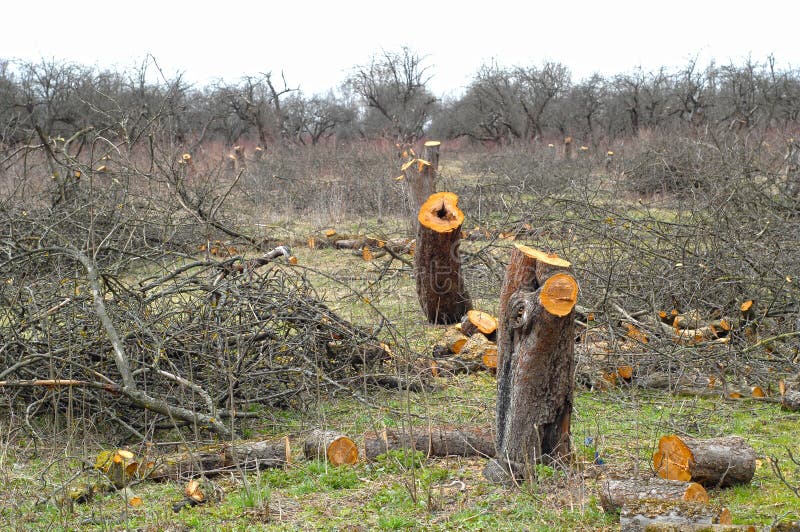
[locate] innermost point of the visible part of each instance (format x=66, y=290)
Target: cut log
x=332, y=446
x=490, y=360
x=673, y=527
x=714, y=462
x=451, y=343
x=440, y=286
x=645, y=514
x=791, y=401
x=477, y=321
x=433, y=441
x=615, y=494
x=535, y=361
x=470, y=357
x=213, y=460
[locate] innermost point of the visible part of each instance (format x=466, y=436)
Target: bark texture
x=433, y=441
x=437, y=263
x=615, y=494
x=535, y=362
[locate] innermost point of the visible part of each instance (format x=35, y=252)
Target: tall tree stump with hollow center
x=440, y=286
x=535, y=363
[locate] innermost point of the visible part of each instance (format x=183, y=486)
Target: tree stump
x=332, y=446
x=440, y=286
x=535, y=363
x=615, y=494
x=433, y=441
x=715, y=462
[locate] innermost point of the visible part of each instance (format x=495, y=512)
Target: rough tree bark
x=440, y=286
x=615, y=494
x=421, y=174
x=535, y=363
x=433, y=441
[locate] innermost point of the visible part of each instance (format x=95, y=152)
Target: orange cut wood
x=440, y=213
x=747, y=305
x=625, y=372
x=758, y=392
x=490, y=358
x=330, y=232
x=559, y=294
x=549, y=258
x=335, y=447
x=484, y=322
x=673, y=459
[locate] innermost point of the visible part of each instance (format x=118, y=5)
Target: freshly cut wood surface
x=714, y=462
x=335, y=447
x=441, y=290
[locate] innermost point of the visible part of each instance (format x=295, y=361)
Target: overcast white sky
x=315, y=43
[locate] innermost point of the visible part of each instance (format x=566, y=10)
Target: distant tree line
x=389, y=97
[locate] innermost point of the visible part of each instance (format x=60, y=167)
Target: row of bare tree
x=389, y=97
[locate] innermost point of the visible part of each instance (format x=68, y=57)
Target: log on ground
x=714, y=462
x=437, y=262
x=641, y=515
x=433, y=441
x=615, y=494
x=334, y=447
x=478, y=321
x=217, y=459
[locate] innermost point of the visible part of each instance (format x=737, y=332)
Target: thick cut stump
x=440, y=286
x=433, y=441
x=535, y=363
x=715, y=462
x=332, y=446
x=615, y=494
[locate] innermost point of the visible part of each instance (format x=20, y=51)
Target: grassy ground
x=614, y=434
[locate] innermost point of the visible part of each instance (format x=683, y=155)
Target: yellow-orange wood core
x=747, y=305
x=559, y=294
x=489, y=358
x=625, y=372
x=695, y=493
x=440, y=212
x=342, y=451
x=458, y=345
x=548, y=258
x=673, y=459
x=486, y=323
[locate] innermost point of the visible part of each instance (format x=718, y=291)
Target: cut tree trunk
x=642, y=515
x=615, y=494
x=714, y=462
x=433, y=441
x=477, y=321
x=219, y=459
x=535, y=362
x=470, y=357
x=440, y=286
x=332, y=446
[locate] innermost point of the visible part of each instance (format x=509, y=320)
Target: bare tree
x=393, y=88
